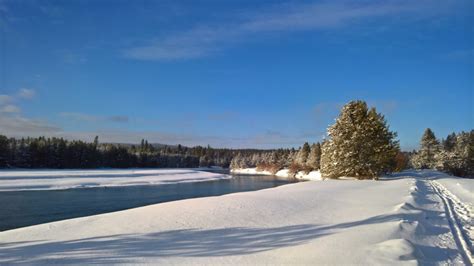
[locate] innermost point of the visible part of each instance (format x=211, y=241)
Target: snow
x=313, y=175
x=408, y=218
x=13, y=180
x=250, y=171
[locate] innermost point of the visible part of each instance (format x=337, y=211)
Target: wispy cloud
x=13, y=123
x=194, y=43
x=26, y=93
x=4, y=99
x=10, y=108
x=79, y=117
x=9, y=103
x=118, y=118
x=204, y=40
x=463, y=54
x=19, y=126
x=94, y=118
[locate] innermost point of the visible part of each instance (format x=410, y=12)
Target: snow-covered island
x=413, y=217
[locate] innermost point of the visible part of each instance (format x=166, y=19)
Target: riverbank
x=409, y=218
x=285, y=173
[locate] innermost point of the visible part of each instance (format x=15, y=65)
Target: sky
x=236, y=74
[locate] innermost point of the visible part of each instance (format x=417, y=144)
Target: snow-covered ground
x=66, y=179
x=409, y=218
x=313, y=175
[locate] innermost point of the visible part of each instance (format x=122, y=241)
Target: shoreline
x=311, y=176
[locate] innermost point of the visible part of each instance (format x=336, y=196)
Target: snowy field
x=419, y=217
x=58, y=179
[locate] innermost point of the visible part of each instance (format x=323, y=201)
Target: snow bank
x=11, y=180
x=401, y=220
x=285, y=173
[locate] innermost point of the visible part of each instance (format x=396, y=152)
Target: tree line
x=359, y=144
x=454, y=155
x=60, y=153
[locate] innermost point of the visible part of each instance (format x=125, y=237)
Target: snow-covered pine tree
x=449, y=142
x=256, y=159
x=4, y=151
x=460, y=159
x=425, y=158
x=284, y=160
x=360, y=144
x=235, y=163
x=314, y=157
x=302, y=155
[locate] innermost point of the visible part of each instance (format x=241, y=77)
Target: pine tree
x=360, y=144
x=429, y=148
x=314, y=158
x=235, y=163
x=96, y=141
x=303, y=154
x=458, y=159
x=4, y=151
x=449, y=142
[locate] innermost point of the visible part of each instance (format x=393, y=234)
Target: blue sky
x=232, y=73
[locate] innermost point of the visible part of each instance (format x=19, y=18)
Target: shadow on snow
x=231, y=241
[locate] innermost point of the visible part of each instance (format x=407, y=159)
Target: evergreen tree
x=449, y=142
x=303, y=154
x=4, y=151
x=360, y=144
x=457, y=159
x=314, y=158
x=429, y=148
x=96, y=141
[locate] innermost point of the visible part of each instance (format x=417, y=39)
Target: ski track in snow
x=460, y=220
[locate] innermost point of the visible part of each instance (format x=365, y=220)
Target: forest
x=60, y=153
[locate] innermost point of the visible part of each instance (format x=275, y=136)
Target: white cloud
x=195, y=43
x=18, y=126
x=10, y=108
x=4, y=99
x=202, y=41
x=26, y=93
